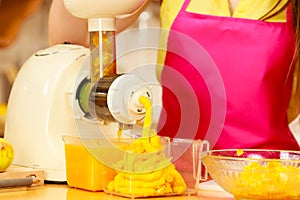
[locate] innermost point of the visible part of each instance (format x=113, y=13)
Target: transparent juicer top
x=101, y=16
x=103, y=54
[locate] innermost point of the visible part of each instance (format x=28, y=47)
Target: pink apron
x=228, y=80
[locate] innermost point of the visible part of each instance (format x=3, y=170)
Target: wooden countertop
x=50, y=191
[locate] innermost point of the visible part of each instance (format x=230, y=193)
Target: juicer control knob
x=123, y=98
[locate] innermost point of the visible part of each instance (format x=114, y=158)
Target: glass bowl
x=255, y=174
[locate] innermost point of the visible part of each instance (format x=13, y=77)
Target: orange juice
x=82, y=169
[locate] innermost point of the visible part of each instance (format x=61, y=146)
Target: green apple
x=6, y=154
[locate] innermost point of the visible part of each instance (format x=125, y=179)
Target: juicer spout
x=122, y=126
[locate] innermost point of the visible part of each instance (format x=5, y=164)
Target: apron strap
x=185, y=4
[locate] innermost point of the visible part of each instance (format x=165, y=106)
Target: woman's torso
x=248, y=107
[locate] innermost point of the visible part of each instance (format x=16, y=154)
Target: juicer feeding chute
x=104, y=18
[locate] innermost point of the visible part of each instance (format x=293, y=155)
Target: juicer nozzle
x=114, y=99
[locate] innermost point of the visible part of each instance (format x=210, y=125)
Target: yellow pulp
x=272, y=181
x=148, y=117
x=103, y=61
x=119, y=133
x=146, y=171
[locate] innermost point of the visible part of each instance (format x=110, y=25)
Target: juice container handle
x=200, y=148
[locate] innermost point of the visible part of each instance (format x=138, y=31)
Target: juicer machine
x=68, y=89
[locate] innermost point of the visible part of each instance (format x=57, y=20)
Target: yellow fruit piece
x=272, y=180
x=6, y=154
x=239, y=152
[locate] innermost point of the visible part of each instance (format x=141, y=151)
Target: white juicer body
x=40, y=108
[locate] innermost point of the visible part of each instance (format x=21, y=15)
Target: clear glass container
x=97, y=164
x=181, y=175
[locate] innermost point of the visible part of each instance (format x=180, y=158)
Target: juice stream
x=146, y=171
